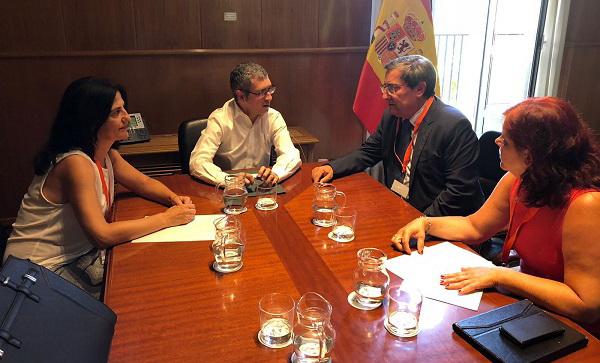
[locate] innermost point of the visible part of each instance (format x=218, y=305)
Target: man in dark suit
x=428, y=148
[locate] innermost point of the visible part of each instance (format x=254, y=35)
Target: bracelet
x=427, y=223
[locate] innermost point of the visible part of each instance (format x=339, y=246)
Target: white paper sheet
x=200, y=229
x=424, y=271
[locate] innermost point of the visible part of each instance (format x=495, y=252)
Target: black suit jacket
x=444, y=179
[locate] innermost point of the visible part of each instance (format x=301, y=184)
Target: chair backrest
x=187, y=136
x=489, y=162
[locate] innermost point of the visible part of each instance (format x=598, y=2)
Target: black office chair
x=187, y=135
x=490, y=174
x=489, y=162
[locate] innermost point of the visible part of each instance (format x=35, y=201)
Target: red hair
x=559, y=149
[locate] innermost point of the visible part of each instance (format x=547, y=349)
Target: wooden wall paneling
x=170, y=89
x=29, y=96
x=244, y=33
x=289, y=23
x=336, y=78
x=31, y=25
x=583, y=21
x=344, y=23
x=580, y=82
x=316, y=91
x=580, y=73
x=99, y=25
x=167, y=24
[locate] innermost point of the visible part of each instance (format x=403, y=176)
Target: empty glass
x=234, y=193
x=266, y=197
x=313, y=333
x=276, y=320
x=403, y=310
x=325, y=203
x=344, y=222
x=228, y=246
x=371, y=279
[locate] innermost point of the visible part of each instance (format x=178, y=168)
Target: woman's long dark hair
x=85, y=106
x=558, y=147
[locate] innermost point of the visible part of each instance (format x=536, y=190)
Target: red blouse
x=539, y=240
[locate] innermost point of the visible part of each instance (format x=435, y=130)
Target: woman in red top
x=550, y=201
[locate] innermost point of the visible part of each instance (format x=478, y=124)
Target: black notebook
x=519, y=332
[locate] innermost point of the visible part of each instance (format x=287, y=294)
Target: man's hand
x=248, y=179
x=322, y=174
x=267, y=175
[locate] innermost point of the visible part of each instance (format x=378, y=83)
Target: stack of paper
x=424, y=272
x=200, y=229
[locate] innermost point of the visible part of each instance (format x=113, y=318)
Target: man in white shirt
x=240, y=134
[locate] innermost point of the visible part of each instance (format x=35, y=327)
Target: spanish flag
x=403, y=27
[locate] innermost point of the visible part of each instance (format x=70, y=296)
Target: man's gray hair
x=242, y=75
x=415, y=68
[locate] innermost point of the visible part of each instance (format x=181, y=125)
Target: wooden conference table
x=172, y=307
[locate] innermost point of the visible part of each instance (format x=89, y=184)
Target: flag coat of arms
x=403, y=27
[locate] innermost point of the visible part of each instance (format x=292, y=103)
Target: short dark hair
x=561, y=152
x=242, y=75
x=415, y=68
x=84, y=107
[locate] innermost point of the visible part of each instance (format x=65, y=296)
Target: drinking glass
x=267, y=197
x=325, y=203
x=313, y=333
x=276, y=320
x=234, y=193
x=344, y=222
x=228, y=246
x=403, y=309
x=371, y=279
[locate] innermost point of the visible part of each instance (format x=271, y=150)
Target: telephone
x=138, y=132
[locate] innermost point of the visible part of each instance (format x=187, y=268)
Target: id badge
x=400, y=189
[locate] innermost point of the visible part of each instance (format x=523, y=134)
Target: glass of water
x=370, y=279
x=228, y=246
x=343, y=225
x=234, y=193
x=267, y=197
x=276, y=320
x=403, y=310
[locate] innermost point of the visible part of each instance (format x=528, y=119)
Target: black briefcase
x=45, y=318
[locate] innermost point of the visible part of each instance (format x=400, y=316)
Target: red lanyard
x=104, y=186
x=511, y=238
x=409, y=149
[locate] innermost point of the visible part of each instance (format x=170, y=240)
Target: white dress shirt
x=232, y=141
x=413, y=140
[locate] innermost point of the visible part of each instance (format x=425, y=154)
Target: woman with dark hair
x=550, y=201
x=63, y=220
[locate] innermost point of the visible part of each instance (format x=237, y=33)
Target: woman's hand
x=180, y=214
x=180, y=199
x=416, y=228
x=470, y=279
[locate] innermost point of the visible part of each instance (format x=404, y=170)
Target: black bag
x=519, y=332
x=45, y=318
